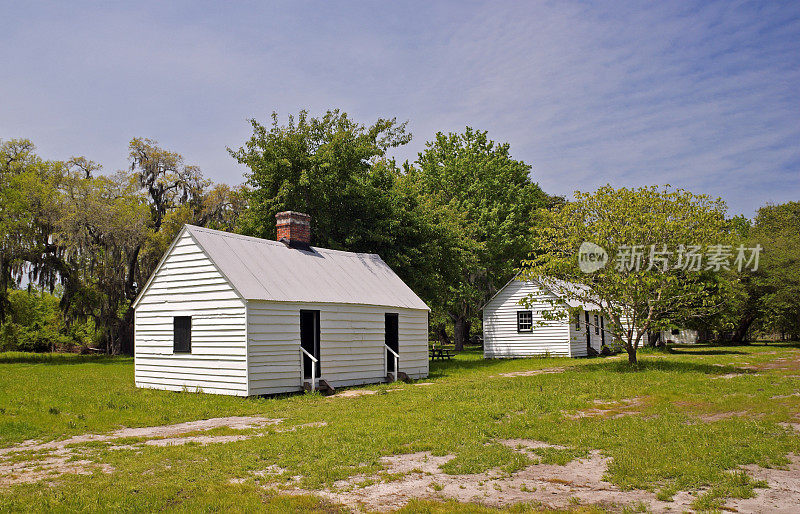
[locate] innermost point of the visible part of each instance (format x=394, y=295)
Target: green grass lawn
x=691, y=415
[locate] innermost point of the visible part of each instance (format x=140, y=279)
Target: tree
x=336, y=170
x=325, y=167
x=29, y=207
x=104, y=223
x=490, y=200
x=774, y=289
x=649, y=225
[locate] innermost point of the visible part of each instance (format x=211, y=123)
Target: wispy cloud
x=703, y=96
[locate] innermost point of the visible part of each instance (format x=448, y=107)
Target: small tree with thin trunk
x=664, y=257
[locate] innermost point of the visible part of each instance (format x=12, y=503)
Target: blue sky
x=704, y=96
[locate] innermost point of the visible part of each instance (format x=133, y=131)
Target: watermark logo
x=591, y=257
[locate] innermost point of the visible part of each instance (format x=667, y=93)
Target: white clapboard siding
x=352, y=341
x=683, y=336
x=188, y=284
x=500, y=336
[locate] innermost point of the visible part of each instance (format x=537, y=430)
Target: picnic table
x=439, y=352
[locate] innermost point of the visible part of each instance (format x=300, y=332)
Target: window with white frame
x=577, y=321
x=524, y=321
x=596, y=324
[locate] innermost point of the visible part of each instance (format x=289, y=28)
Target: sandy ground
x=32, y=461
x=611, y=409
x=234, y=422
x=529, y=373
x=578, y=482
x=783, y=494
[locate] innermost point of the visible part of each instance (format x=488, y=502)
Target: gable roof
x=559, y=288
x=261, y=269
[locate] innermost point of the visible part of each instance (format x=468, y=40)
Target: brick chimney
x=294, y=229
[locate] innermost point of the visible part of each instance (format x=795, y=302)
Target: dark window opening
x=675, y=332
x=309, y=341
x=577, y=321
x=524, y=321
x=596, y=325
x=182, y=334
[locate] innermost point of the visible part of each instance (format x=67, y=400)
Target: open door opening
x=588, y=332
x=309, y=341
x=392, y=341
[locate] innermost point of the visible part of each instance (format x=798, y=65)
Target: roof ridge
x=276, y=243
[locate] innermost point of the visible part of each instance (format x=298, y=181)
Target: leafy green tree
x=29, y=208
x=104, y=222
x=624, y=222
x=325, y=167
x=774, y=289
x=336, y=170
x=490, y=200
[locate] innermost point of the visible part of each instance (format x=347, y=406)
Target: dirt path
x=33, y=461
x=528, y=373
x=234, y=422
x=783, y=494
x=561, y=487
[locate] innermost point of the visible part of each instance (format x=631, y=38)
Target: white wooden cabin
x=229, y=314
x=679, y=336
x=511, y=329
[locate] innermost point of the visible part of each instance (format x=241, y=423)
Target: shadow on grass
x=686, y=351
x=472, y=360
x=622, y=366
x=59, y=358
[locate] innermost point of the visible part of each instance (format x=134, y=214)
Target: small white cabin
x=679, y=336
x=230, y=314
x=511, y=329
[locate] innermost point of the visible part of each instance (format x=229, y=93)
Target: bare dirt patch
x=783, y=396
x=610, y=409
x=62, y=463
x=730, y=375
x=529, y=373
x=718, y=416
x=553, y=486
x=353, y=393
x=790, y=363
x=32, y=461
x=234, y=422
x=783, y=494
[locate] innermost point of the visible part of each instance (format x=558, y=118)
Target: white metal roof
x=560, y=288
x=261, y=269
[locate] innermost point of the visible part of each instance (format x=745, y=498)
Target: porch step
x=326, y=387
x=322, y=386
x=401, y=375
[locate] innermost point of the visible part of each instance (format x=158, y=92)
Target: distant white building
x=511, y=329
x=679, y=335
x=230, y=314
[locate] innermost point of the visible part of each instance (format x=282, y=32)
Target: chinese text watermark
x=592, y=257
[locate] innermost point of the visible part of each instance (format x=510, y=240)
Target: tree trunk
x=460, y=332
x=653, y=338
x=631, y=355
x=441, y=334
x=740, y=333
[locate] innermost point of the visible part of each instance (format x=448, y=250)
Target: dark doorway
x=588, y=332
x=602, y=332
x=309, y=340
x=392, y=340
